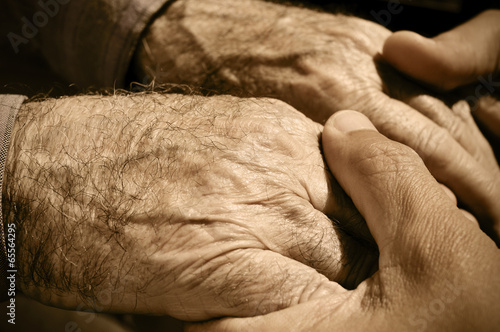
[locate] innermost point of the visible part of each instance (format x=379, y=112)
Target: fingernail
x=347, y=121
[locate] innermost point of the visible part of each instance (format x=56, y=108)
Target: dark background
x=25, y=73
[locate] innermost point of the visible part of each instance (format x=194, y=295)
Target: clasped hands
x=321, y=63
x=235, y=212
x=197, y=213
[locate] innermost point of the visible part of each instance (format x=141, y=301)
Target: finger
x=329, y=249
x=247, y=283
x=470, y=216
x=454, y=58
x=449, y=193
x=459, y=123
x=392, y=188
x=457, y=120
x=377, y=193
x=310, y=237
x=475, y=186
x=471, y=137
x=488, y=113
x=326, y=314
x=448, y=141
x=452, y=196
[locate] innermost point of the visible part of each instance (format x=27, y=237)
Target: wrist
x=64, y=251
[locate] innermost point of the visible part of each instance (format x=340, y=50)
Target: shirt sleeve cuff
x=9, y=105
x=91, y=42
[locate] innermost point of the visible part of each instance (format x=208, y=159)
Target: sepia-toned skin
x=464, y=60
x=188, y=206
x=171, y=205
x=207, y=207
x=453, y=58
x=321, y=63
x=437, y=270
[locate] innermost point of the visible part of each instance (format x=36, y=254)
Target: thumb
x=407, y=213
x=451, y=59
x=406, y=210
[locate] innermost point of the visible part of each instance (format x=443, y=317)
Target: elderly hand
x=437, y=270
x=453, y=58
x=467, y=54
x=176, y=205
x=319, y=63
x=465, y=59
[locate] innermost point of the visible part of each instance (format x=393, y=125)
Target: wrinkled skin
x=464, y=62
x=437, y=270
x=186, y=206
x=321, y=63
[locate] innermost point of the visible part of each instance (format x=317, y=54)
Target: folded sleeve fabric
x=9, y=105
x=88, y=42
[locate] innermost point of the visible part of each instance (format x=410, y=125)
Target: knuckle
x=269, y=105
x=277, y=126
x=434, y=145
x=267, y=112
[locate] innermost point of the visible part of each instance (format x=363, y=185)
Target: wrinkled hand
x=465, y=59
x=453, y=58
x=320, y=63
x=177, y=205
x=437, y=270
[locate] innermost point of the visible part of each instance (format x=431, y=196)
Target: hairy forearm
x=67, y=187
x=84, y=175
x=158, y=204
